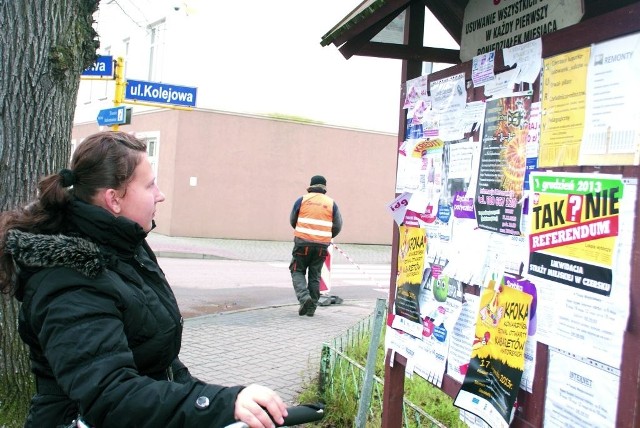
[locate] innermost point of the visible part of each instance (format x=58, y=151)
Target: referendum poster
x=492, y=382
x=574, y=223
x=581, y=238
x=499, y=192
x=564, y=81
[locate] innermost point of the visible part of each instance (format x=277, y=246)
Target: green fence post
x=367, y=387
x=324, y=368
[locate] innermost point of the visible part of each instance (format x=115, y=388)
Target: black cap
x=317, y=179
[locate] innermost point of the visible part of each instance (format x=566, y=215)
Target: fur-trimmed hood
x=34, y=251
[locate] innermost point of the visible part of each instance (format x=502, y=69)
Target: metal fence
x=342, y=378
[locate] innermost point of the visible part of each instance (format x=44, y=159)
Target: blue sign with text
x=153, y=92
x=103, y=67
x=112, y=116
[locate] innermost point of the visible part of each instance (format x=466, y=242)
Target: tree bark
x=44, y=46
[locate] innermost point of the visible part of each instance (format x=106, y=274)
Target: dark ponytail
x=105, y=160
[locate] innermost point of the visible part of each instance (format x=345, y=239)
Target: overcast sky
x=265, y=57
x=272, y=62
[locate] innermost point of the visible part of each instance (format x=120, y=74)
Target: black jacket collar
x=105, y=229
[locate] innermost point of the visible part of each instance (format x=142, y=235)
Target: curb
x=188, y=255
x=203, y=318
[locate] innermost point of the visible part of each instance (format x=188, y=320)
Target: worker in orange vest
x=316, y=219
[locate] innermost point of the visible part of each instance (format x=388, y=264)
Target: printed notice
x=463, y=338
x=612, y=129
x=493, y=25
x=580, y=392
x=449, y=98
x=564, y=81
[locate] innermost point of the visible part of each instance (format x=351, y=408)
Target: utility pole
x=120, y=86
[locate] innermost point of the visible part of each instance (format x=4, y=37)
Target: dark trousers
x=307, y=258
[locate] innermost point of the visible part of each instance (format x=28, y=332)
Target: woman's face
x=141, y=196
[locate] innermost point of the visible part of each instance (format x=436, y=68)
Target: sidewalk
x=272, y=346
x=238, y=249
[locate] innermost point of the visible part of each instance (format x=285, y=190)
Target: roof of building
x=376, y=28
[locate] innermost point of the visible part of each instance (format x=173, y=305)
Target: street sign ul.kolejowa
x=160, y=93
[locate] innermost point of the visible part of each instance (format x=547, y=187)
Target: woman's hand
x=252, y=402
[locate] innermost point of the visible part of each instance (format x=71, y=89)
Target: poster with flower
x=503, y=164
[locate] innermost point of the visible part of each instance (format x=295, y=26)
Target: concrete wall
x=250, y=170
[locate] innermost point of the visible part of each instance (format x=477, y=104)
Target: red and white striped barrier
x=341, y=251
x=325, y=274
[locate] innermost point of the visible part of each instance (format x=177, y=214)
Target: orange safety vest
x=315, y=218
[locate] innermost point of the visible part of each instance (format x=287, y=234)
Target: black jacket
x=104, y=330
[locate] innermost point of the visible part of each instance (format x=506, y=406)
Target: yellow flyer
x=411, y=253
x=492, y=382
x=564, y=82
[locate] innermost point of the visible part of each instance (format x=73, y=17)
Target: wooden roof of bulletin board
x=356, y=33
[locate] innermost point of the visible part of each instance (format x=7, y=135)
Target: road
x=211, y=286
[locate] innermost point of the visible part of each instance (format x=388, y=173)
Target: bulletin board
x=516, y=218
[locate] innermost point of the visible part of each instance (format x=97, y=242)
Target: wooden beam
x=355, y=45
x=422, y=53
x=389, y=7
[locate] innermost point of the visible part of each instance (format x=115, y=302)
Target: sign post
x=120, y=85
x=136, y=92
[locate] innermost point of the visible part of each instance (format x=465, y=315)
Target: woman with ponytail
x=100, y=320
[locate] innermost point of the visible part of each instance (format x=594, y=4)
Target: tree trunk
x=44, y=46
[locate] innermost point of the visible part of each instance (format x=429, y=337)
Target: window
x=84, y=92
x=153, y=140
x=156, y=48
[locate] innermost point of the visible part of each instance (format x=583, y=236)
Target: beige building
x=236, y=176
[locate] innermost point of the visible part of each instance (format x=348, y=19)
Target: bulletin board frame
x=530, y=411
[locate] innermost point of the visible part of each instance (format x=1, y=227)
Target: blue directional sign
x=153, y=92
x=112, y=116
x=103, y=67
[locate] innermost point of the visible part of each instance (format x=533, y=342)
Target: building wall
x=251, y=169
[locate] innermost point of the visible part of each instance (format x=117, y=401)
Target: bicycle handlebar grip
x=300, y=414
x=303, y=413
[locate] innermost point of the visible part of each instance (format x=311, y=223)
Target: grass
x=341, y=404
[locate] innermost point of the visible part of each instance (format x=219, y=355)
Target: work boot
x=311, y=311
x=305, y=306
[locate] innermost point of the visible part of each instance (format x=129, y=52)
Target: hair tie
x=68, y=177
